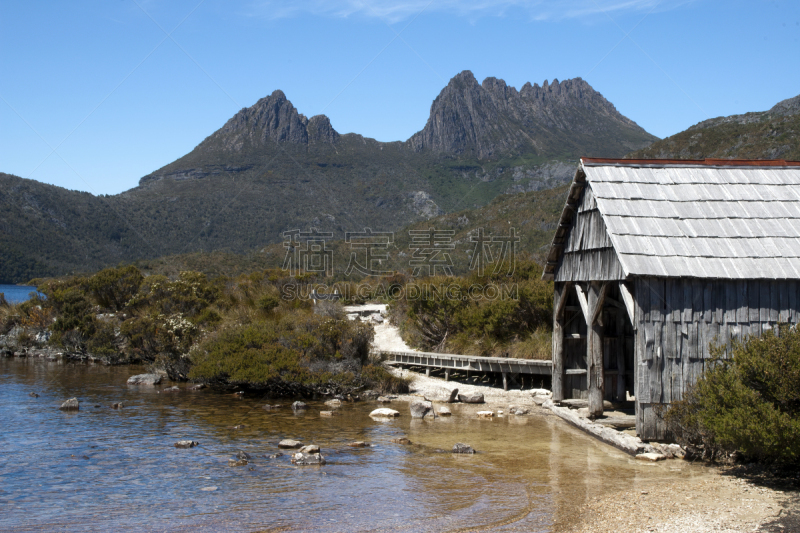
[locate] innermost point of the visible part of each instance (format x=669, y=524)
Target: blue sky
x=95, y=95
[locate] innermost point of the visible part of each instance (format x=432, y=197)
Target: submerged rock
x=471, y=397
x=297, y=406
x=301, y=459
x=186, y=444
x=33, y=395
x=145, y=379
x=274, y=455
x=117, y=405
x=401, y=440
x=419, y=409
x=198, y=386
x=171, y=389
x=383, y=399
x=358, y=444
x=460, y=447
x=70, y=405
x=289, y=443
x=328, y=413
x=384, y=412
x=237, y=462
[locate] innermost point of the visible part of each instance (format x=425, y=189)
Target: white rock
x=289, y=443
x=145, y=379
x=444, y=411
x=485, y=414
x=334, y=403
x=652, y=457
x=541, y=392
x=384, y=412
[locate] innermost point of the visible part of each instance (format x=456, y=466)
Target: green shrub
x=747, y=402
x=378, y=378
x=113, y=288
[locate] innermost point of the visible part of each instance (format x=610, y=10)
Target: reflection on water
x=101, y=469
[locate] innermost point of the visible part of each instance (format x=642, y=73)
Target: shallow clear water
x=16, y=293
x=101, y=469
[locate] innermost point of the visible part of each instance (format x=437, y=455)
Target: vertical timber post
x=560, y=297
x=447, y=374
x=428, y=371
x=594, y=347
x=505, y=382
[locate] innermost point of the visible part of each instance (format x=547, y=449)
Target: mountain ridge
x=270, y=169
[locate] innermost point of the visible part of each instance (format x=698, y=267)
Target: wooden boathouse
x=653, y=260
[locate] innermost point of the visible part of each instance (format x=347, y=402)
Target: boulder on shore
x=442, y=395
x=384, y=412
x=186, y=444
x=145, y=379
x=289, y=443
x=460, y=447
x=420, y=409
x=70, y=405
x=470, y=397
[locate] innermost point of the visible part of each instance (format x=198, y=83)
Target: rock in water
x=519, y=411
x=419, y=409
x=145, y=379
x=70, y=405
x=289, y=443
x=358, y=444
x=297, y=406
x=302, y=459
x=652, y=457
x=444, y=411
x=401, y=440
x=240, y=455
x=460, y=447
x=237, y=462
x=369, y=394
x=311, y=448
x=171, y=389
x=384, y=412
x=334, y=403
x=33, y=395
x=383, y=399
x=442, y=395
x=485, y=414
x=198, y=386
x=471, y=397
x=186, y=444
x=117, y=405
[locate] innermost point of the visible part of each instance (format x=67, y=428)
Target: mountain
x=773, y=134
x=269, y=169
x=492, y=119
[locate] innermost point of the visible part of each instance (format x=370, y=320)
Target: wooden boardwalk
x=506, y=367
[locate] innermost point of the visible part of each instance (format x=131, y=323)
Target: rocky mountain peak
x=271, y=119
x=493, y=119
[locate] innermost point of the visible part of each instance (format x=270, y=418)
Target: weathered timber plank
x=742, y=314
x=629, y=301
x=764, y=301
x=656, y=386
x=730, y=302
x=783, y=295
x=594, y=347
x=643, y=298
x=708, y=301
x=775, y=287
x=656, y=299
x=626, y=443
x=686, y=316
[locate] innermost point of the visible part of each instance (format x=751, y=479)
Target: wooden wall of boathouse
x=678, y=318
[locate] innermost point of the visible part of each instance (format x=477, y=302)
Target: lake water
x=101, y=469
x=16, y=293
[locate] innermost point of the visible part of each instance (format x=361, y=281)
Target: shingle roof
x=705, y=219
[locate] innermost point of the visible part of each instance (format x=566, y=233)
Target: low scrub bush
x=748, y=401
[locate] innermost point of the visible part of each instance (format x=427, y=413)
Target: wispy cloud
x=396, y=11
